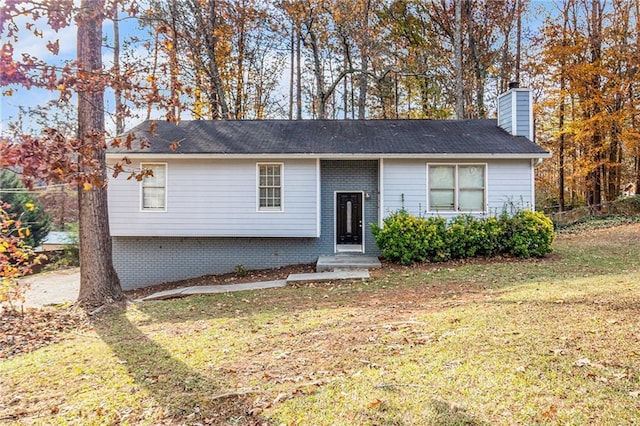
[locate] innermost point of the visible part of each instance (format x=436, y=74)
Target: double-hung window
x=457, y=188
x=154, y=187
x=270, y=187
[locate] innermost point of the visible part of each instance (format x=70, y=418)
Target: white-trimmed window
x=270, y=186
x=457, y=187
x=154, y=187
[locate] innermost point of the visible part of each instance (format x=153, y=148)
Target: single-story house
x=270, y=193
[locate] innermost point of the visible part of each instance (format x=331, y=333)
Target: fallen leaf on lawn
x=374, y=404
x=550, y=413
x=634, y=394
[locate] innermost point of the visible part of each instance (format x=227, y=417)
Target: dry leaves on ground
x=26, y=331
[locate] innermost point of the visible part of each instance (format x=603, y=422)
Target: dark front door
x=349, y=218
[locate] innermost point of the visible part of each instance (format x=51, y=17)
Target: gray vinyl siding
x=408, y=179
x=508, y=183
x=516, y=122
x=523, y=113
x=505, y=110
x=217, y=198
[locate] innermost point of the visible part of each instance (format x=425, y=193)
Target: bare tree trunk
x=561, y=148
x=364, y=82
x=458, y=61
x=292, y=69
x=345, y=97
x=298, y=73
x=206, y=20
x=239, y=104
x=321, y=99
x=213, y=64
x=634, y=124
x=561, y=154
x=154, y=69
x=395, y=95
x=99, y=283
x=364, y=62
x=174, y=107
x=116, y=69
x=518, y=39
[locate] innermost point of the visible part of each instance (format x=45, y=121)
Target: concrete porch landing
x=346, y=261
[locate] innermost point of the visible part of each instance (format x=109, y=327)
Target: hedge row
x=406, y=239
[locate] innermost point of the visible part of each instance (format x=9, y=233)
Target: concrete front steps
x=342, y=262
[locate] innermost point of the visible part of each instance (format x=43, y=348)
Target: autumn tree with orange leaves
x=587, y=117
x=53, y=157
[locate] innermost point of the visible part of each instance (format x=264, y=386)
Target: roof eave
x=327, y=156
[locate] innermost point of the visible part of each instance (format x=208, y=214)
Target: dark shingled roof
x=360, y=137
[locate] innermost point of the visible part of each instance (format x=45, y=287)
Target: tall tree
x=117, y=89
x=55, y=158
x=458, y=62
x=99, y=281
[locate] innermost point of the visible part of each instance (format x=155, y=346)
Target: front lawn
x=553, y=341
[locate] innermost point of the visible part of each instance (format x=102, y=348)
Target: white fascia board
x=309, y=156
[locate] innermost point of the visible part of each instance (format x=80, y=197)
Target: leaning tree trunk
x=99, y=283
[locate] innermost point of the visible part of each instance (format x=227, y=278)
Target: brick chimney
x=515, y=111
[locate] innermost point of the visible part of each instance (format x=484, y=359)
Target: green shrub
x=240, y=270
x=494, y=242
x=529, y=234
x=433, y=238
x=465, y=236
x=406, y=239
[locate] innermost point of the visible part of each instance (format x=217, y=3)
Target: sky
x=33, y=98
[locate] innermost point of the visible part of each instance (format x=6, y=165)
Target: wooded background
x=381, y=59
x=232, y=59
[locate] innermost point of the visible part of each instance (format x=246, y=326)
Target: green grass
x=552, y=341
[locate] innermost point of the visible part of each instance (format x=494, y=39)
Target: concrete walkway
x=60, y=287
x=225, y=288
x=52, y=288
x=213, y=289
